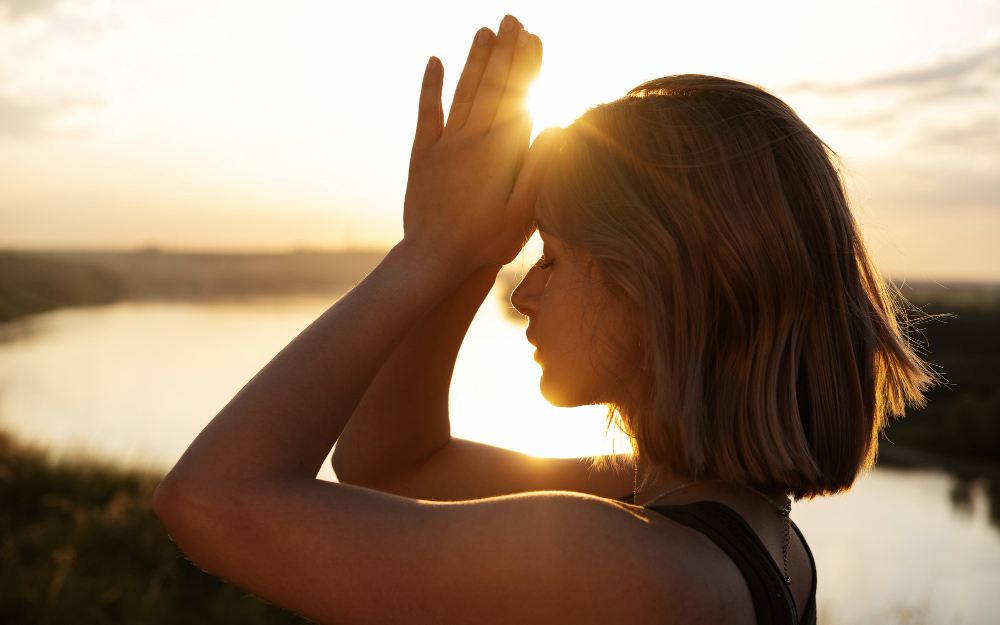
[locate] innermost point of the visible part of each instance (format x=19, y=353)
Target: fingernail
x=484, y=36
x=522, y=38
x=509, y=23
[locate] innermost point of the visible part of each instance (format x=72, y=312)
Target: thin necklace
x=783, y=510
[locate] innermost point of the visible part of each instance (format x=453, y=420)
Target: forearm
x=286, y=419
x=462, y=212
x=403, y=417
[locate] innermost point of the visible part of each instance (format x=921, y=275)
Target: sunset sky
x=245, y=125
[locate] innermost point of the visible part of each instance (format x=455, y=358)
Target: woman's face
x=580, y=333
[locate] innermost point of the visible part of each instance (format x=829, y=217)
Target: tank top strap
x=772, y=600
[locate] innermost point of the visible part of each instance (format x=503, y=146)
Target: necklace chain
x=783, y=510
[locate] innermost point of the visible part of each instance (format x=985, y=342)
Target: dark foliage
x=34, y=282
x=962, y=416
x=30, y=284
x=79, y=543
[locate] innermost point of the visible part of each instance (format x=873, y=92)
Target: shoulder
x=647, y=566
x=330, y=552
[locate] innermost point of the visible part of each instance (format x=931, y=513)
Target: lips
x=531, y=339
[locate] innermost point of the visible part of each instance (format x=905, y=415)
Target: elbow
x=167, y=502
x=193, y=516
x=347, y=468
x=347, y=473
x=173, y=504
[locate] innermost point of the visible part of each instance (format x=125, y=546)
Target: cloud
x=933, y=113
x=21, y=120
x=960, y=76
x=923, y=187
x=877, y=118
x=945, y=73
x=981, y=135
x=18, y=9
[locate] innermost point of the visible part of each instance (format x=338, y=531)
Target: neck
x=657, y=482
x=664, y=486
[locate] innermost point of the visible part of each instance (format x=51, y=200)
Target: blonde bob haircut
x=770, y=348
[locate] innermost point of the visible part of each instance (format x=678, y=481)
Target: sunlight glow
x=496, y=362
x=173, y=124
x=550, y=107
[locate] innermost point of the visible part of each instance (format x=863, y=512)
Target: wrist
x=448, y=265
x=430, y=264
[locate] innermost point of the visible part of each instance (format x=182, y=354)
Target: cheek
x=614, y=358
x=572, y=371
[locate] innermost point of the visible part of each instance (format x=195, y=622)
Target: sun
x=550, y=107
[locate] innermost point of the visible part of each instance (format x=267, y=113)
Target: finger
x=525, y=138
x=494, y=81
x=538, y=54
x=429, y=108
x=440, y=119
x=512, y=112
x=522, y=147
x=468, y=82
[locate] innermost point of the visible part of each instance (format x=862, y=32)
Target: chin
x=564, y=396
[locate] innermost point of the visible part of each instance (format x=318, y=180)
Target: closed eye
x=543, y=264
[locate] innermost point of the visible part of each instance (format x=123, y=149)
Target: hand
x=459, y=204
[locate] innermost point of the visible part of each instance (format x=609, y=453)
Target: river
x=133, y=383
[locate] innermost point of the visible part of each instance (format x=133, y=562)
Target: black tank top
x=772, y=599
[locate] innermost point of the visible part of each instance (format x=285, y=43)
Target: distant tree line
x=35, y=284
x=955, y=327
x=962, y=415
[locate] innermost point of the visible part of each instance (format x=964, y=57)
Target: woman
x=702, y=276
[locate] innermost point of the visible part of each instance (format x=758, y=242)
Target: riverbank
x=81, y=544
x=955, y=327
x=36, y=282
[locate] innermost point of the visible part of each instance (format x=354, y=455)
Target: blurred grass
x=79, y=543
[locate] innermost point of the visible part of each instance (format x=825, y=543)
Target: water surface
x=136, y=382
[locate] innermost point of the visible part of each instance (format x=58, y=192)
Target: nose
x=524, y=298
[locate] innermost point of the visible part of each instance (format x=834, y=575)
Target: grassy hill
x=79, y=543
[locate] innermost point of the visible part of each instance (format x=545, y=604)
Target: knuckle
x=491, y=85
x=465, y=96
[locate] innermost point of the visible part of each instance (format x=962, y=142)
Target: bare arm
x=399, y=437
x=243, y=501
x=403, y=417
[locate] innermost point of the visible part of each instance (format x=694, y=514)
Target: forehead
x=547, y=235
x=549, y=239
